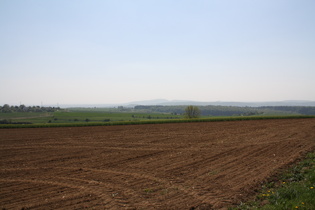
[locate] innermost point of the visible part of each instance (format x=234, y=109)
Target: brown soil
x=166, y=166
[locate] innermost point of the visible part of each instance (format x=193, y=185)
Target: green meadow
x=97, y=120
x=79, y=116
x=89, y=116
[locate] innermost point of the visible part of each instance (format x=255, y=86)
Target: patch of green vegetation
x=296, y=190
x=148, y=190
x=211, y=173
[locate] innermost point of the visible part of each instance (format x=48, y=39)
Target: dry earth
x=166, y=166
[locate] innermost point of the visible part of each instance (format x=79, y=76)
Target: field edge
x=274, y=183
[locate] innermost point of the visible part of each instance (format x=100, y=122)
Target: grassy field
x=64, y=119
x=80, y=116
x=31, y=117
x=108, y=116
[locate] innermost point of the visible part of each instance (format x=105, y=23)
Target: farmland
x=54, y=115
x=160, y=166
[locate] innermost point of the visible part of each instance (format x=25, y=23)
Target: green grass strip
x=162, y=121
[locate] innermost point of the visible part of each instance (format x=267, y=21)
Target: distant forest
x=6, y=108
x=231, y=110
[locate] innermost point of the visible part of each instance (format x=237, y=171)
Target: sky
x=118, y=51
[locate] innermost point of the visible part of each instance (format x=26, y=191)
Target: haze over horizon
x=113, y=52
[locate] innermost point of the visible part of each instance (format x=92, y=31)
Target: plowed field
x=165, y=166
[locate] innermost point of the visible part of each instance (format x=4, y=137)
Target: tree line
x=6, y=108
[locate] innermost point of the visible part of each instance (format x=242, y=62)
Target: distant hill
x=149, y=102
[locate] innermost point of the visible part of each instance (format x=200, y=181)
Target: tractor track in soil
x=162, y=166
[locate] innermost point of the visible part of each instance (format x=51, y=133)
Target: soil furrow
x=162, y=166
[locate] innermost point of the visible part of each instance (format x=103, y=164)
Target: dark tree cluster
x=306, y=110
x=6, y=108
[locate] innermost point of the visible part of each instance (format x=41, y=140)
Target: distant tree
x=22, y=108
x=6, y=108
x=192, y=112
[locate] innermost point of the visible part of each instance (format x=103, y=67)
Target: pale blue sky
x=116, y=51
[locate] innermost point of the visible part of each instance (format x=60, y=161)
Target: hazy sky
x=115, y=51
